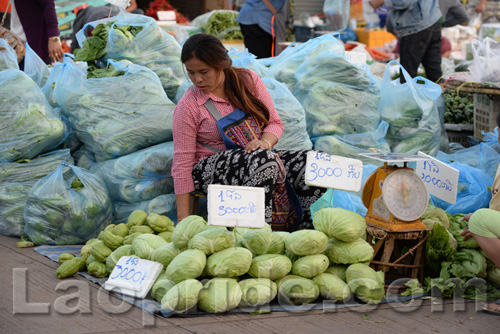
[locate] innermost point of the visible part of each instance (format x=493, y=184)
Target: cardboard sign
x=440, y=179
x=119, y=3
x=133, y=276
x=234, y=206
x=358, y=58
x=331, y=171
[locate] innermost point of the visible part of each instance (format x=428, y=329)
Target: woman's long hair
x=209, y=49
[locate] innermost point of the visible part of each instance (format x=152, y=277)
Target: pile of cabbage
x=217, y=270
x=451, y=262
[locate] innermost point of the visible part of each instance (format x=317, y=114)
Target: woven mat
x=151, y=306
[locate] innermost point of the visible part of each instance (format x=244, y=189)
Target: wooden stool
x=402, y=254
x=194, y=200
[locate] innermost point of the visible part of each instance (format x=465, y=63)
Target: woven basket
x=14, y=42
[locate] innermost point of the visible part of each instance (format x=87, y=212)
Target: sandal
x=488, y=311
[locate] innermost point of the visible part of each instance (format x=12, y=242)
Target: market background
x=120, y=142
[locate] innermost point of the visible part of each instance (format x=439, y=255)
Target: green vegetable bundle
x=459, y=107
x=28, y=124
x=222, y=24
x=16, y=179
x=67, y=211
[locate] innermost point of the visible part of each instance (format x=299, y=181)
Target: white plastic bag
x=486, y=60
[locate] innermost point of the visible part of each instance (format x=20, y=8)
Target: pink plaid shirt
x=192, y=123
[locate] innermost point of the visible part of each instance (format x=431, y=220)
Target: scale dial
x=405, y=195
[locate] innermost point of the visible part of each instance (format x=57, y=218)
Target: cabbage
x=282, y=234
x=257, y=291
x=493, y=276
x=339, y=223
x=468, y=263
x=272, y=266
x=229, y=262
x=165, y=254
x=145, y=244
x=160, y=287
x=331, y=287
x=212, y=240
x=349, y=252
x=186, y=229
x=440, y=246
x=263, y=242
x=338, y=270
x=112, y=259
x=366, y=283
x=310, y=265
x=186, y=265
x=296, y=290
x=182, y=296
x=220, y=295
x=456, y=227
x=436, y=214
x=306, y=242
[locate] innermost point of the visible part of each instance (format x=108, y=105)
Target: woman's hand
x=467, y=217
x=481, y=6
x=466, y=233
x=255, y=145
x=55, y=50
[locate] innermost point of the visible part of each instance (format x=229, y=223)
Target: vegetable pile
x=459, y=107
x=222, y=24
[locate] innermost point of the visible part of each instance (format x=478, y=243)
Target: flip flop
x=488, y=311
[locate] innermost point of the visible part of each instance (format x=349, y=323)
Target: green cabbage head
x=338, y=270
x=272, y=266
x=212, y=240
x=261, y=242
x=186, y=229
x=113, y=258
x=366, y=283
x=310, y=265
x=186, y=265
x=306, y=242
x=340, y=224
x=182, y=296
x=220, y=295
x=231, y=262
x=296, y=290
x=257, y=291
x=160, y=287
x=332, y=287
x=165, y=254
x=340, y=252
x=145, y=244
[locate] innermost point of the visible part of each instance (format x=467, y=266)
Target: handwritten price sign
x=440, y=179
x=234, y=206
x=330, y=171
x=133, y=276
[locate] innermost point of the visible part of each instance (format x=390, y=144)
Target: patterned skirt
x=258, y=169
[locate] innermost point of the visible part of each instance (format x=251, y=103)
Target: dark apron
x=239, y=128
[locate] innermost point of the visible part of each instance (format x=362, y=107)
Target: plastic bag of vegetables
x=35, y=67
x=137, y=38
x=115, y=116
x=411, y=110
x=28, y=124
x=220, y=23
x=139, y=176
x=8, y=56
x=67, y=211
x=16, y=180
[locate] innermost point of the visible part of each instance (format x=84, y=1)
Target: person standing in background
x=417, y=23
x=263, y=24
x=454, y=12
x=35, y=22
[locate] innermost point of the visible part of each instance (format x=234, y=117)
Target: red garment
x=3, y=6
x=192, y=123
x=39, y=21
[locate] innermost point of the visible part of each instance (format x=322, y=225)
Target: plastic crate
x=303, y=33
x=459, y=133
x=374, y=38
x=486, y=109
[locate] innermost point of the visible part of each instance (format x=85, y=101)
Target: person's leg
x=295, y=165
x=257, y=41
x=432, y=57
x=412, y=49
x=237, y=168
x=484, y=225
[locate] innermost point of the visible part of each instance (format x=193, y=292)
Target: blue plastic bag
x=62, y=210
x=35, y=67
x=337, y=13
x=412, y=113
x=8, y=56
x=473, y=193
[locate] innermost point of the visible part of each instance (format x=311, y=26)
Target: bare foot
x=492, y=307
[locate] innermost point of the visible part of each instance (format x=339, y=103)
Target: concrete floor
x=45, y=304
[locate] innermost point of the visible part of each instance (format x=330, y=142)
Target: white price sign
x=440, y=179
x=331, y=171
x=235, y=206
x=133, y=276
x=120, y=3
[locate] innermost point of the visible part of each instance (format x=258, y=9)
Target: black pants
x=257, y=41
x=423, y=47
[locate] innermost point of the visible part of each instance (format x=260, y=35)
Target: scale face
x=405, y=195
